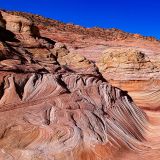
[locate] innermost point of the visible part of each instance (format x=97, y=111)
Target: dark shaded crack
x=2, y=89
x=20, y=87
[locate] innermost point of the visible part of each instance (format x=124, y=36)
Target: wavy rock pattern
x=55, y=104
x=55, y=119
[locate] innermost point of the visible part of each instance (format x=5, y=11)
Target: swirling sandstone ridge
x=128, y=61
x=54, y=102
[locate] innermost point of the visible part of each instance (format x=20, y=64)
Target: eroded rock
x=55, y=104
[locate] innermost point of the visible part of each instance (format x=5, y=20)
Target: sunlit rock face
x=55, y=104
x=135, y=71
x=139, y=77
x=65, y=115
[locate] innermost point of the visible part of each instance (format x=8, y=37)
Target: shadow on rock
x=6, y=35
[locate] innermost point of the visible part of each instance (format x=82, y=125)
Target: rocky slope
x=141, y=80
x=137, y=75
x=55, y=102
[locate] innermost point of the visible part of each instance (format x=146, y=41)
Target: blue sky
x=136, y=16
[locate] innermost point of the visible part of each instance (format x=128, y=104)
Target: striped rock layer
x=55, y=104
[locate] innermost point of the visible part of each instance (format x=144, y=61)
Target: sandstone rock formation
x=92, y=43
x=134, y=71
x=56, y=104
